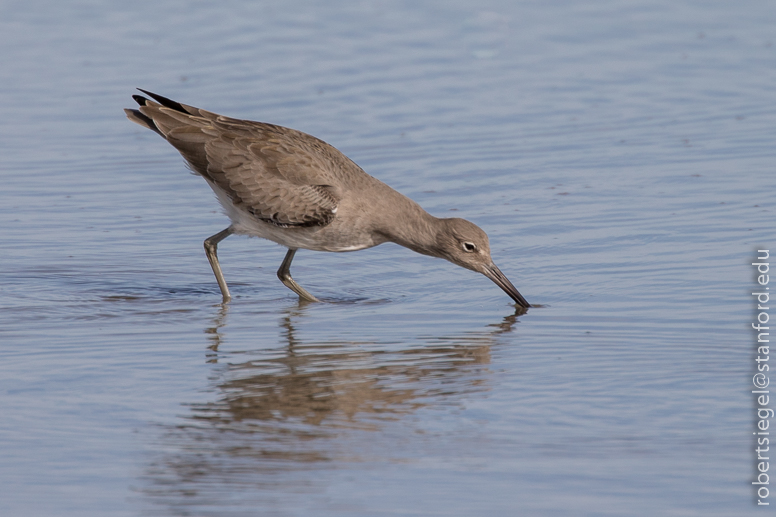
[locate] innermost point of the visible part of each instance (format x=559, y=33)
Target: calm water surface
x=619, y=154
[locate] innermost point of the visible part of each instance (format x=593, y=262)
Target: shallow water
x=619, y=154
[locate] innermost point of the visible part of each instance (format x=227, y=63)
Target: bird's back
x=277, y=174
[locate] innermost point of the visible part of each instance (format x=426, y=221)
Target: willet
x=300, y=192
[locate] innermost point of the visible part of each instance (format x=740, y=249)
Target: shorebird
x=300, y=192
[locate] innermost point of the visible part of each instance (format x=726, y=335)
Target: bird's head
x=465, y=244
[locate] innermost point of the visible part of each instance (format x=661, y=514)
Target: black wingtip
x=137, y=117
x=140, y=100
x=164, y=101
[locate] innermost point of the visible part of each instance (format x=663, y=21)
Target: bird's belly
x=314, y=238
x=333, y=237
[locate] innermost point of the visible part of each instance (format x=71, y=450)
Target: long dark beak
x=503, y=282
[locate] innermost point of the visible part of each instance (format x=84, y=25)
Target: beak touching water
x=503, y=282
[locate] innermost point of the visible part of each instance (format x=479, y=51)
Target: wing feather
x=277, y=174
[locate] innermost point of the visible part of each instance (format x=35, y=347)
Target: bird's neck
x=407, y=224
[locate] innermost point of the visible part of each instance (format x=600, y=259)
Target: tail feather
x=164, y=101
x=138, y=118
x=140, y=99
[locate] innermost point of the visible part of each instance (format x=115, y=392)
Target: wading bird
x=300, y=192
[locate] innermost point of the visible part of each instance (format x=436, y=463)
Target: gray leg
x=211, y=245
x=284, y=274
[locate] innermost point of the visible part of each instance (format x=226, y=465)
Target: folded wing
x=279, y=175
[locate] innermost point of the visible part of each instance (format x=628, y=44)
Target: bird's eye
x=469, y=247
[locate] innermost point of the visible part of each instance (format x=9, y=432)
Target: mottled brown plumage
x=257, y=165
x=294, y=189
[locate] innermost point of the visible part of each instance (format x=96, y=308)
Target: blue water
x=619, y=154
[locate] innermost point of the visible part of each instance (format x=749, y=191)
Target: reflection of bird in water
x=277, y=411
x=335, y=381
x=339, y=380
x=296, y=190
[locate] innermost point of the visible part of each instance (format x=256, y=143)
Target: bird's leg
x=284, y=274
x=211, y=245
